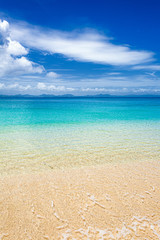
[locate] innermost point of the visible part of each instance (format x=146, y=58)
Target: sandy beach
x=113, y=201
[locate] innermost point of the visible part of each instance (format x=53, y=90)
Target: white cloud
x=12, y=60
x=121, y=91
x=50, y=87
x=94, y=89
x=10, y=65
x=2, y=85
x=147, y=67
x=52, y=75
x=15, y=48
x=114, y=73
x=41, y=88
x=18, y=86
x=4, y=26
x=4, y=31
x=15, y=86
x=86, y=46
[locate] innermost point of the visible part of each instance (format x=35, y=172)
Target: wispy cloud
x=114, y=73
x=85, y=46
x=147, y=67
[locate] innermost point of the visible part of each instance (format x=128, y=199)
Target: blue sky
x=80, y=47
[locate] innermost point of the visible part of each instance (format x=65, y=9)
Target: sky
x=80, y=47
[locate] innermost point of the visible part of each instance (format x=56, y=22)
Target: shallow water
x=40, y=134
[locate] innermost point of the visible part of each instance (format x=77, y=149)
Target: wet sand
x=113, y=201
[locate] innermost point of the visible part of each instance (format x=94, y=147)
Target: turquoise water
x=77, y=111
x=39, y=134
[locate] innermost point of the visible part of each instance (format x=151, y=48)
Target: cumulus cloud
x=86, y=46
x=15, y=48
x=52, y=75
x=15, y=86
x=12, y=59
x=39, y=86
x=50, y=87
x=4, y=32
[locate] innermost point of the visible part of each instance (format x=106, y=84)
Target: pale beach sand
x=113, y=201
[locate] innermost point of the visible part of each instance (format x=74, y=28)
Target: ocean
x=45, y=134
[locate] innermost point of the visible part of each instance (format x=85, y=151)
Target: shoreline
x=119, y=201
